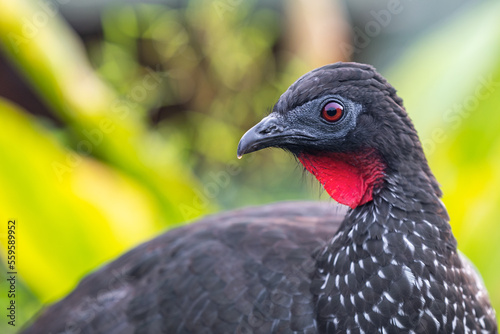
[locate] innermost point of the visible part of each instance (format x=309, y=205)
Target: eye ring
x=332, y=111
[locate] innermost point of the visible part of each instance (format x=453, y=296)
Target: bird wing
x=245, y=271
x=475, y=284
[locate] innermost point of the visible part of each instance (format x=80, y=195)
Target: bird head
x=346, y=125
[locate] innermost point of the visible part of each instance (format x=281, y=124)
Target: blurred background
x=120, y=119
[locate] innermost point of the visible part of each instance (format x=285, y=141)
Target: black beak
x=270, y=132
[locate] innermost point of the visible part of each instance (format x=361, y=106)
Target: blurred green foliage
x=151, y=125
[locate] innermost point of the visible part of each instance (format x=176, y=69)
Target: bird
x=387, y=263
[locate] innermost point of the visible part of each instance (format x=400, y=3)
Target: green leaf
x=67, y=224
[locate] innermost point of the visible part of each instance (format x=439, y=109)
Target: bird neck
x=400, y=207
x=396, y=214
x=396, y=238
x=404, y=206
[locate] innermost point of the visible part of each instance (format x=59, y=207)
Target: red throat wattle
x=349, y=178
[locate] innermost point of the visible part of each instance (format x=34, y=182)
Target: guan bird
x=389, y=264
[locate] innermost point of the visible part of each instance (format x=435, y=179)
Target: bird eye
x=332, y=111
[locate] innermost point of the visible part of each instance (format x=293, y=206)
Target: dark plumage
x=244, y=271
x=388, y=265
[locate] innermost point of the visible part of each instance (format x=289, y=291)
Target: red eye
x=332, y=111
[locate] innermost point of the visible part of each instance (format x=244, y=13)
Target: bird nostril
x=268, y=130
x=270, y=125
